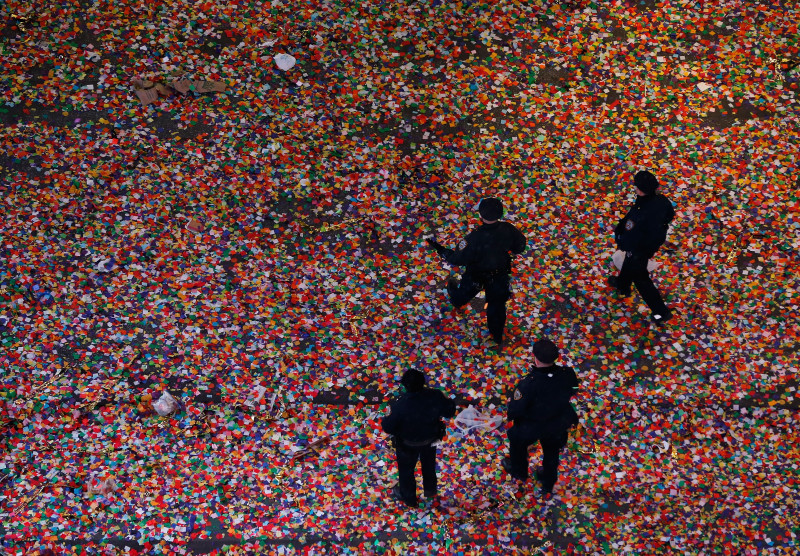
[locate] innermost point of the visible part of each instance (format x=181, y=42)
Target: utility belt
x=402, y=443
x=486, y=278
x=418, y=444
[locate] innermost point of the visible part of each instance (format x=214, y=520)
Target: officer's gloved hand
x=436, y=246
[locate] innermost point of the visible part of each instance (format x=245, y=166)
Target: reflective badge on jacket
x=629, y=225
x=517, y=394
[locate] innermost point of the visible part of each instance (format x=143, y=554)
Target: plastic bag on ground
x=165, y=405
x=471, y=419
x=100, y=486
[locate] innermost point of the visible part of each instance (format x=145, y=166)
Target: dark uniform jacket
x=540, y=406
x=485, y=251
x=644, y=229
x=415, y=417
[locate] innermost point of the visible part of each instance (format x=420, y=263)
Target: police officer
x=639, y=234
x=485, y=254
x=541, y=411
x=414, y=420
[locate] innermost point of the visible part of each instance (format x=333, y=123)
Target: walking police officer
x=541, y=411
x=639, y=234
x=415, y=422
x=485, y=253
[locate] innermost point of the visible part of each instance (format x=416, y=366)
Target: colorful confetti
x=213, y=272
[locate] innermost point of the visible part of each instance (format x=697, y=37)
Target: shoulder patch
x=629, y=224
x=462, y=245
x=517, y=394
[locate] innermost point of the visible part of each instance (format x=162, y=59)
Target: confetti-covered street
x=213, y=272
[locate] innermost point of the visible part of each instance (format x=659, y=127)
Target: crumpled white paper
x=285, y=61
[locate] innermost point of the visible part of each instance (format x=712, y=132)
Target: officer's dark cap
x=545, y=351
x=646, y=182
x=491, y=208
x=413, y=380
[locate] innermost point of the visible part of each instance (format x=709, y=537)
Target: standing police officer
x=639, y=234
x=485, y=254
x=414, y=420
x=541, y=412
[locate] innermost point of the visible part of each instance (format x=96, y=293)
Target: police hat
x=491, y=208
x=413, y=380
x=545, y=351
x=646, y=182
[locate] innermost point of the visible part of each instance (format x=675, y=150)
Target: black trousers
x=518, y=445
x=407, y=458
x=498, y=290
x=634, y=270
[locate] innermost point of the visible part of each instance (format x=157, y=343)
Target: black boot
x=613, y=281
